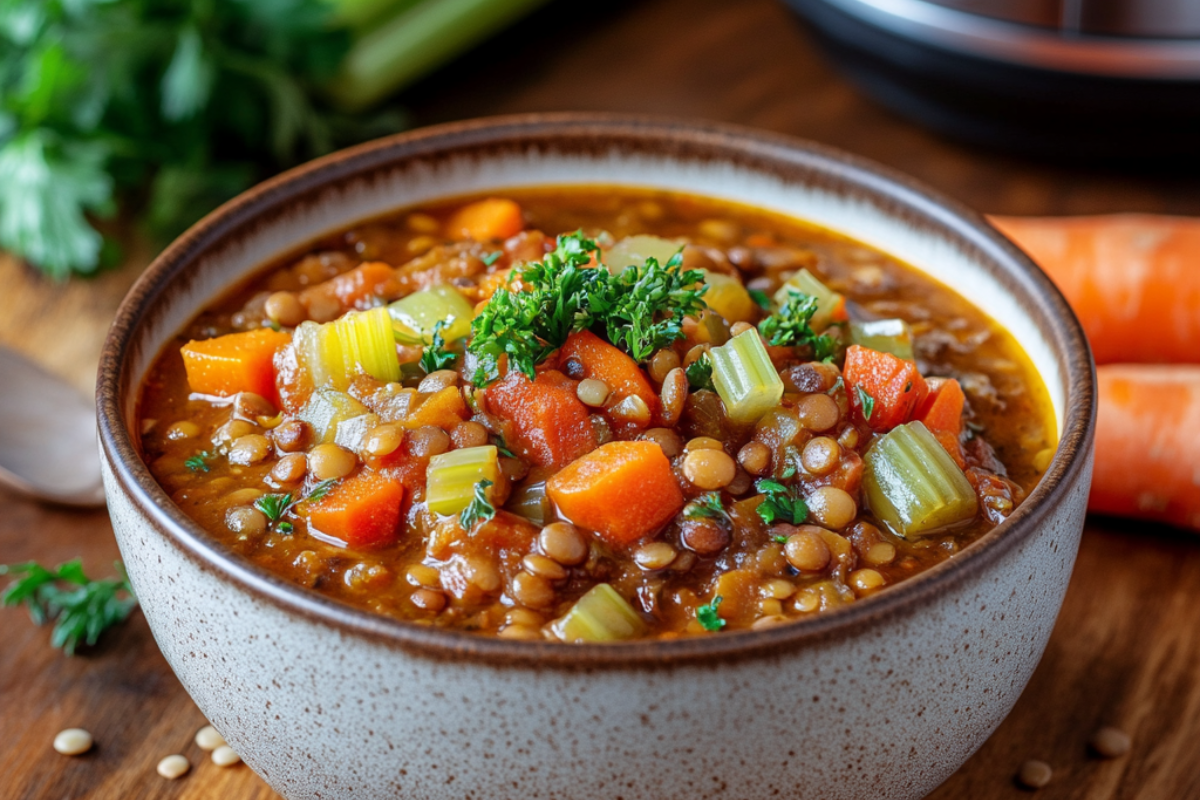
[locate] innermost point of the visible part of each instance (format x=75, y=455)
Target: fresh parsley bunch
x=791, y=326
x=175, y=106
x=81, y=611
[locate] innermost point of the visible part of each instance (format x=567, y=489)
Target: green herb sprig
x=780, y=503
x=479, y=509
x=700, y=374
x=199, y=462
x=707, y=616
x=276, y=506
x=644, y=306
x=435, y=355
x=81, y=611
x=706, y=506
x=791, y=326
x=865, y=401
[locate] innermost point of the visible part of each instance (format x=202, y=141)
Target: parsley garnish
x=780, y=539
x=641, y=309
x=790, y=326
x=780, y=504
x=865, y=401
x=80, y=613
x=286, y=528
x=479, y=509
x=706, y=506
x=436, y=356
x=761, y=298
x=838, y=384
x=699, y=373
x=319, y=491
x=276, y=506
x=492, y=257
x=199, y=462
x=706, y=615
x=502, y=447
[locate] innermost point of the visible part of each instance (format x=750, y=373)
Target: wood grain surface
x=1126, y=650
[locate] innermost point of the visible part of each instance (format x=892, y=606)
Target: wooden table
x=1126, y=649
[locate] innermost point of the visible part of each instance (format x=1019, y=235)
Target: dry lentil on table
x=532, y=572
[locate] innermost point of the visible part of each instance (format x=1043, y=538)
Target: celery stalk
x=601, y=615
x=359, y=343
x=912, y=485
x=414, y=317
x=745, y=378
x=414, y=42
x=829, y=302
x=728, y=297
x=451, y=477
x=328, y=411
x=634, y=250
x=885, y=335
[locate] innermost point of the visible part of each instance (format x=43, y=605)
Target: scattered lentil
x=1035, y=774
x=173, y=767
x=224, y=756
x=73, y=742
x=209, y=739
x=1109, y=742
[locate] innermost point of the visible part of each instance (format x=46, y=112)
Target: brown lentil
x=184, y=429
x=286, y=309
x=709, y=469
x=469, y=434
x=328, y=461
x=523, y=632
x=423, y=575
x=543, y=567
x=704, y=537
x=880, y=554
x=818, y=412
x=437, y=381
x=1035, y=774
x=755, y=458
x=632, y=409
x=292, y=436
x=741, y=483
x=674, y=396
x=428, y=441
x=245, y=520
x=564, y=543
x=665, y=438
x=820, y=455
x=249, y=449
x=864, y=581
x=654, y=555
x=661, y=364
x=383, y=440
x=832, y=507
x=531, y=590
x=806, y=549
x=592, y=392
x=251, y=406
x=290, y=469
x=1109, y=742
x=428, y=599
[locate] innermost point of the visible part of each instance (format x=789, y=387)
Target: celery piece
x=634, y=250
x=912, y=485
x=360, y=342
x=451, y=477
x=728, y=297
x=322, y=363
x=414, y=317
x=328, y=410
x=532, y=503
x=745, y=378
x=885, y=335
x=601, y=615
x=829, y=302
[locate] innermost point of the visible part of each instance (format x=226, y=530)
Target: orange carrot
x=444, y=410
x=1148, y=444
x=486, y=220
x=603, y=362
x=552, y=426
x=235, y=362
x=894, y=387
x=356, y=288
x=1131, y=278
x=362, y=511
x=621, y=490
x=942, y=414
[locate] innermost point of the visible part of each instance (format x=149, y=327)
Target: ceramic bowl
x=883, y=699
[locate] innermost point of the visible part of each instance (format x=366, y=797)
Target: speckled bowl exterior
x=882, y=699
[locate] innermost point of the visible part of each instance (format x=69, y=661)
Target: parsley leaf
x=699, y=374
x=791, y=326
x=319, y=491
x=479, y=509
x=274, y=506
x=761, y=298
x=706, y=615
x=436, y=356
x=492, y=257
x=865, y=401
x=80, y=613
x=780, y=539
x=199, y=462
x=706, y=506
x=502, y=447
x=780, y=504
x=643, y=307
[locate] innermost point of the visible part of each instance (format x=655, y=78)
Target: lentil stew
x=594, y=414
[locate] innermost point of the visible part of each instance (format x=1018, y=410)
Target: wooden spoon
x=48, y=443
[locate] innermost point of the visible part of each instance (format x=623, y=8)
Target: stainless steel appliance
x=1074, y=78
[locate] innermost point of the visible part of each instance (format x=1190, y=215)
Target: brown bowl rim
x=666, y=137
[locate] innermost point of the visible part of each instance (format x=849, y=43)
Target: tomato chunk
x=893, y=387
x=552, y=426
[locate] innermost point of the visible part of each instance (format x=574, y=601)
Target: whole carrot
x=1148, y=443
x=1133, y=279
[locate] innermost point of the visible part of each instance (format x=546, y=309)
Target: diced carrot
x=486, y=220
x=604, y=362
x=1131, y=278
x=235, y=362
x=505, y=531
x=492, y=282
x=357, y=288
x=893, y=383
x=552, y=426
x=444, y=410
x=362, y=511
x=622, y=490
x=942, y=414
x=1148, y=443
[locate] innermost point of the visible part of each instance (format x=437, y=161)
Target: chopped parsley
x=199, y=462
x=81, y=611
x=276, y=506
x=838, y=384
x=760, y=297
x=286, y=528
x=780, y=504
x=706, y=615
x=502, y=447
x=791, y=326
x=706, y=506
x=479, y=509
x=436, y=356
x=865, y=401
x=641, y=309
x=699, y=373
x=492, y=257
x=780, y=539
